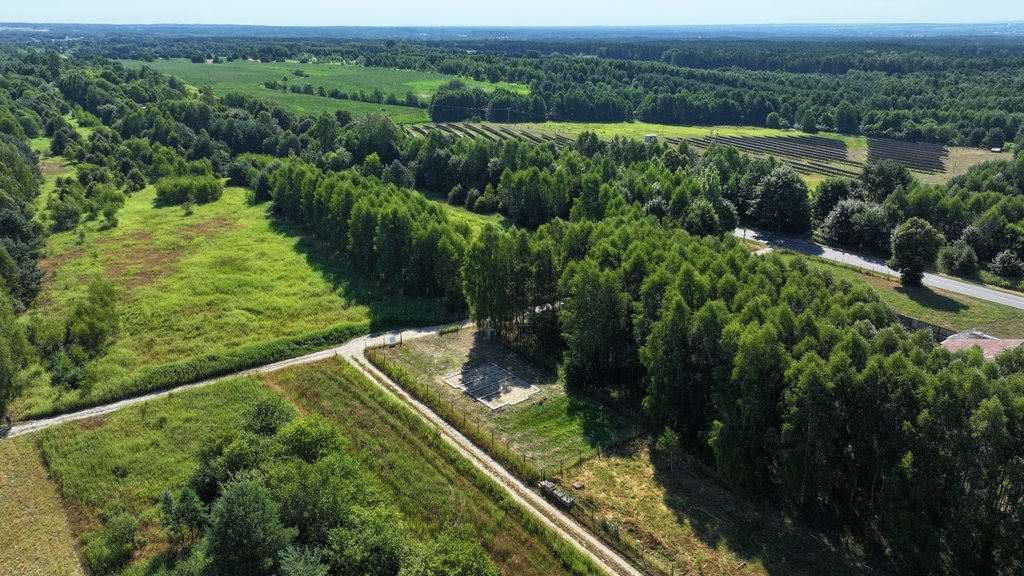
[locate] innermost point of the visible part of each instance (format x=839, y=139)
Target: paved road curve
x=354, y=352
x=867, y=262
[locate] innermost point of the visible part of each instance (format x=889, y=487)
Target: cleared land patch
x=492, y=385
x=552, y=429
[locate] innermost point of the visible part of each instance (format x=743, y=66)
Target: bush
x=958, y=259
x=180, y=189
x=246, y=535
x=267, y=416
x=1007, y=265
x=309, y=438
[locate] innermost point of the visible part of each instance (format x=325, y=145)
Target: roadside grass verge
x=939, y=307
x=549, y=432
x=433, y=485
x=219, y=284
x=36, y=539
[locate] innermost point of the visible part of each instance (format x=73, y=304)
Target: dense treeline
x=954, y=92
x=790, y=382
x=391, y=234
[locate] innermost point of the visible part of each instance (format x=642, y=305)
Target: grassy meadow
x=247, y=77
x=228, y=276
x=682, y=521
x=122, y=462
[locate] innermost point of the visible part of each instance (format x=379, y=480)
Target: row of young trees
x=791, y=383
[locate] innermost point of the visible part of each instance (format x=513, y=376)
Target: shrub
x=180, y=189
x=1007, y=265
x=958, y=259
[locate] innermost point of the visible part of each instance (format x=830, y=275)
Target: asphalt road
x=869, y=263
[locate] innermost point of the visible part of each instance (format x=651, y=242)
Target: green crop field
x=247, y=77
x=225, y=277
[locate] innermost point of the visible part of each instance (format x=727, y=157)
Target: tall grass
x=209, y=366
x=434, y=484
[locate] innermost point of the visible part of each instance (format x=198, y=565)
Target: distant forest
x=966, y=91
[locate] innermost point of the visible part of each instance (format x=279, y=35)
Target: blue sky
x=509, y=12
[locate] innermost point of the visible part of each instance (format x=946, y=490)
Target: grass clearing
x=226, y=277
x=123, y=461
x=433, y=485
x=36, y=539
x=553, y=429
x=939, y=307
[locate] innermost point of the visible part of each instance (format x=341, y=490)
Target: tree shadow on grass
x=924, y=296
x=387, y=309
x=762, y=533
x=602, y=423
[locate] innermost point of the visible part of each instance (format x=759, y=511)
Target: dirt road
x=353, y=352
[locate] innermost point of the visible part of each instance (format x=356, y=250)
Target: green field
x=946, y=309
x=37, y=538
x=247, y=77
x=225, y=277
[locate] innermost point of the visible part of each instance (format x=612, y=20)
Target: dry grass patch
x=36, y=538
x=686, y=523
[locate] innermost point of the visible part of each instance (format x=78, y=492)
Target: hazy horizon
x=528, y=13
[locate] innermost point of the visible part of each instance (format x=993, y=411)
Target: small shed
x=997, y=150
x=555, y=492
x=650, y=138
